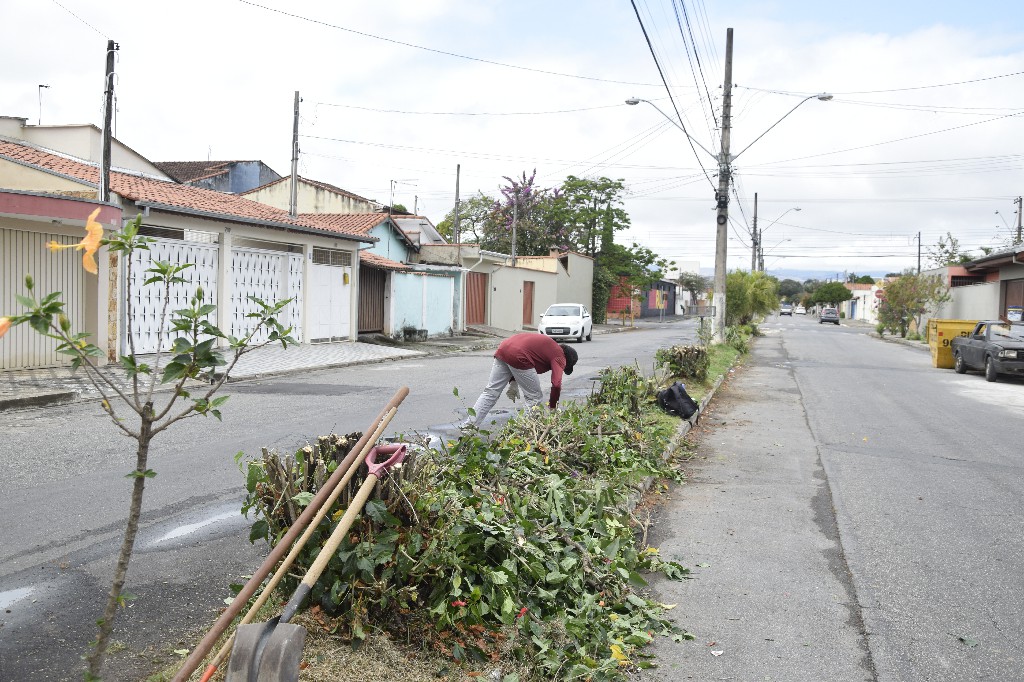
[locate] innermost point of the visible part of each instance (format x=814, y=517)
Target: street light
x=760, y=237
x=822, y=96
x=724, y=160
x=633, y=101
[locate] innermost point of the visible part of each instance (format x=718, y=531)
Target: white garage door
x=270, y=276
x=23, y=253
x=330, y=303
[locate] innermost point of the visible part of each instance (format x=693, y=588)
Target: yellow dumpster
x=940, y=333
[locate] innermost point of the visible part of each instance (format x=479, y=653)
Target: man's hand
x=513, y=391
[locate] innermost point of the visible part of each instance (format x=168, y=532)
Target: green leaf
x=252, y=476
x=148, y=473
x=303, y=499
x=259, y=530
x=499, y=578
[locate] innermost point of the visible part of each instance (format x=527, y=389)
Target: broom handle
x=282, y=570
x=242, y=598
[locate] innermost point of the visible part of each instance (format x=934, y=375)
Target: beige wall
x=83, y=142
x=310, y=198
x=576, y=285
x=506, y=296
x=16, y=176
x=974, y=302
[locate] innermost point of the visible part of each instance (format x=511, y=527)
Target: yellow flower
x=5, y=325
x=91, y=243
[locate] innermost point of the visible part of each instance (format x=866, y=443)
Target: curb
x=38, y=400
x=902, y=342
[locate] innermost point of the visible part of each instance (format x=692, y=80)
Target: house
x=311, y=196
x=863, y=304
x=991, y=287
x=233, y=177
x=238, y=248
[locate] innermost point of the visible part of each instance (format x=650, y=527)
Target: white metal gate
x=148, y=300
x=330, y=303
x=24, y=253
x=270, y=276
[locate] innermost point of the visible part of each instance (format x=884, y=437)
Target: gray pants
x=501, y=374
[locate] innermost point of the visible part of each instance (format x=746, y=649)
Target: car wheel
x=990, y=370
x=580, y=339
x=837, y=323
x=590, y=336
x=959, y=366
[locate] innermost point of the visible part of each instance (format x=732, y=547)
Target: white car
x=567, y=321
x=800, y=310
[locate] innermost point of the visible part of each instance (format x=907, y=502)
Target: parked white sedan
x=567, y=321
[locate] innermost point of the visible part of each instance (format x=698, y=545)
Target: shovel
x=272, y=652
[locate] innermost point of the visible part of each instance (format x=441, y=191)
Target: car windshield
x=829, y=311
x=1006, y=332
x=564, y=311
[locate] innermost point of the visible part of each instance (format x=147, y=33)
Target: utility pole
x=754, y=250
x=515, y=219
x=1020, y=204
x=293, y=200
x=456, y=228
x=108, y=113
x=919, y=253
x=722, y=196
x=40, y=89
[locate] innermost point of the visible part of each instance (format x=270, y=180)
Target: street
x=853, y=514
x=65, y=497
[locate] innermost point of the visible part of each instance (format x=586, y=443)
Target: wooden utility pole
x=755, y=251
x=722, y=197
x=293, y=199
x=108, y=114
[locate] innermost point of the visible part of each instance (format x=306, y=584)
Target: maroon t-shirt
x=540, y=352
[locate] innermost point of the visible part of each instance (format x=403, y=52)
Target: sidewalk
x=59, y=385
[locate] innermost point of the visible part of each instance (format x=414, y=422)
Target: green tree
x=587, y=213
x=790, y=289
x=864, y=279
x=947, y=251
x=134, y=408
x=831, y=292
x=524, y=211
x=909, y=297
x=695, y=284
x=475, y=215
x=749, y=295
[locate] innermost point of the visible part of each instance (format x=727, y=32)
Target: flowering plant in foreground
x=135, y=406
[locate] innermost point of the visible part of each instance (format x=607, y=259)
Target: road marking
x=193, y=527
x=392, y=368
x=11, y=596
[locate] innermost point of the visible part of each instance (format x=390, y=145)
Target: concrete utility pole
x=515, y=219
x=108, y=114
x=1020, y=204
x=456, y=231
x=722, y=196
x=754, y=248
x=293, y=199
x=40, y=89
x=919, y=253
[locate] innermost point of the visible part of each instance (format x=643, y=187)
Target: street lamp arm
x=636, y=100
x=824, y=97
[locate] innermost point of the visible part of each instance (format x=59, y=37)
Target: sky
x=923, y=135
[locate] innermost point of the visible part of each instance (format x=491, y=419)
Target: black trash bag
x=676, y=401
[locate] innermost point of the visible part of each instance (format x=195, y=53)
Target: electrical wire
x=437, y=51
x=469, y=113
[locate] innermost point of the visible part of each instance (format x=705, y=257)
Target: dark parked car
x=994, y=347
x=829, y=315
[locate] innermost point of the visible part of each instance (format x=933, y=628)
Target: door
x=23, y=252
x=270, y=276
x=330, y=296
x=372, y=282
x=476, y=298
x=527, y=304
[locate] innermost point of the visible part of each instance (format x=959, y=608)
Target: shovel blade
x=279, y=660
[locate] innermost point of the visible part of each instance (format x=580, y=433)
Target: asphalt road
x=63, y=498
x=854, y=514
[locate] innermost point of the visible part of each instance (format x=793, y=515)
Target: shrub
x=735, y=337
x=686, y=362
x=519, y=545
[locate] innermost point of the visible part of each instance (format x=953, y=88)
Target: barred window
x=332, y=257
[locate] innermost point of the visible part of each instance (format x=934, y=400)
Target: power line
x=468, y=113
x=904, y=89
x=437, y=51
x=78, y=18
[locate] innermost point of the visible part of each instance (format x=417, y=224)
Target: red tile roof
x=351, y=223
x=173, y=197
x=375, y=261
x=189, y=171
